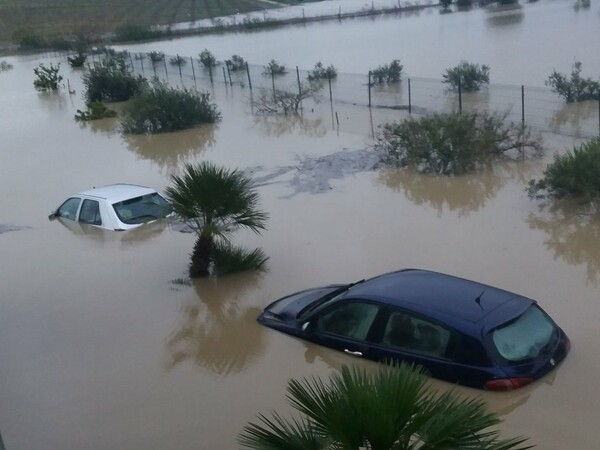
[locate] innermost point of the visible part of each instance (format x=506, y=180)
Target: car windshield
x=327, y=298
x=525, y=338
x=142, y=209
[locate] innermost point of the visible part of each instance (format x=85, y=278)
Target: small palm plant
x=392, y=409
x=215, y=201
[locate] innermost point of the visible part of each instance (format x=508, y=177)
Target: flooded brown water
x=103, y=346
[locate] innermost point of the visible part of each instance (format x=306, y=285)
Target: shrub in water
x=236, y=63
x=574, y=88
x=321, y=72
x=95, y=110
x=388, y=73
x=576, y=173
x=110, y=81
x=207, y=59
x=47, y=78
x=160, y=108
x=178, y=61
x=274, y=68
x=469, y=76
x=453, y=143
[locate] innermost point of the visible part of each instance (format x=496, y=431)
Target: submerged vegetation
x=391, y=409
x=320, y=72
x=47, y=78
x=111, y=81
x=214, y=202
x=94, y=111
x=159, y=108
x=274, y=68
x=452, y=143
x=466, y=76
x=388, y=73
x=575, y=173
x=574, y=88
x=4, y=66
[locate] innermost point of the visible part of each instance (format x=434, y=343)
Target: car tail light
x=507, y=384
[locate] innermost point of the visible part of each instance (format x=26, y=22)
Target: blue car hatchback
x=461, y=331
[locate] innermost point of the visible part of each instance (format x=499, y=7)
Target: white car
x=116, y=207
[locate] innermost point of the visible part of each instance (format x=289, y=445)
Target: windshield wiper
x=328, y=297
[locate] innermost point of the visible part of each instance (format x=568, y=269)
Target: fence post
x=248, y=73
x=330, y=94
x=179, y=66
x=409, y=99
x=224, y=76
x=298, y=78
x=459, y=97
x=369, y=84
x=273, y=81
x=166, y=70
x=130, y=61
x=229, y=73
x=210, y=66
x=523, y=105
x=141, y=56
x=193, y=70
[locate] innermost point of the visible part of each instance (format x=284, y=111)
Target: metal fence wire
x=537, y=107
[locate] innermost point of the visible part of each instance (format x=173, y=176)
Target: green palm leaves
x=391, y=409
x=215, y=201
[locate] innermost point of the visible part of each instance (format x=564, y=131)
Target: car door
x=346, y=326
x=411, y=338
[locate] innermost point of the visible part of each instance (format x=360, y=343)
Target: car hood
x=288, y=308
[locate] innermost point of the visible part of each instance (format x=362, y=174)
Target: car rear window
x=142, y=209
x=525, y=338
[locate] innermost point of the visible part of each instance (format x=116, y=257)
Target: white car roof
x=115, y=193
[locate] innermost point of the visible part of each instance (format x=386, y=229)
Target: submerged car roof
x=114, y=193
x=434, y=293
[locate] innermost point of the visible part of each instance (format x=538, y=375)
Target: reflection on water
x=102, y=126
x=573, y=235
x=503, y=15
x=216, y=330
x=574, y=115
x=169, y=150
x=279, y=125
x=463, y=194
x=125, y=238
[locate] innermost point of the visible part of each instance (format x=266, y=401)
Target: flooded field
x=104, y=345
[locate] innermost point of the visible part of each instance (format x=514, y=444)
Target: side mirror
x=305, y=327
x=52, y=215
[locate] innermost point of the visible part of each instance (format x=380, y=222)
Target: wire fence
x=537, y=107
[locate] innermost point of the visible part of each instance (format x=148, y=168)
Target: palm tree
x=215, y=201
x=392, y=409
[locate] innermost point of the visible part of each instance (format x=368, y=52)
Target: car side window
x=351, y=320
x=90, y=212
x=68, y=209
x=412, y=333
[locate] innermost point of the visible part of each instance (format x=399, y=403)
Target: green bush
x=207, y=59
x=228, y=258
x=274, y=68
x=156, y=57
x=575, y=173
x=160, y=108
x=94, y=111
x=574, y=88
x=110, y=81
x=388, y=73
x=321, y=72
x=453, y=143
x=47, y=78
x=77, y=60
x=236, y=63
x=470, y=77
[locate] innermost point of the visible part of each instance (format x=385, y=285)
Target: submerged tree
x=467, y=76
x=392, y=409
x=216, y=201
x=574, y=88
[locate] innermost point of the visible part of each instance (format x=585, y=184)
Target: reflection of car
x=115, y=207
x=461, y=331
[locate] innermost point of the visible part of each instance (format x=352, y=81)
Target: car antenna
x=478, y=299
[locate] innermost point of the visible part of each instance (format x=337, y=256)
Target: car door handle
x=352, y=353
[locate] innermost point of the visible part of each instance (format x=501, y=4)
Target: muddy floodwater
x=104, y=343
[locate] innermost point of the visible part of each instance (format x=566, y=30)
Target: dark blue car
x=461, y=331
